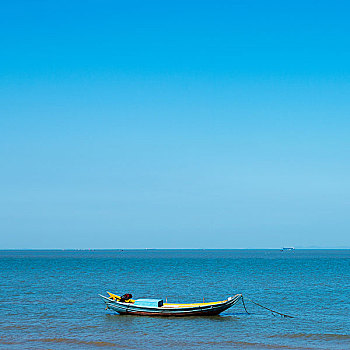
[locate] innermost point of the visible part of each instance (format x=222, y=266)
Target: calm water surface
x=49, y=299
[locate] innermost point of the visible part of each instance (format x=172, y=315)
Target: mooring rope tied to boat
x=264, y=307
x=151, y=307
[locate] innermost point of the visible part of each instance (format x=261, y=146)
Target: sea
x=49, y=299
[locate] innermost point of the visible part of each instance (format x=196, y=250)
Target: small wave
x=313, y=336
x=17, y=326
x=80, y=342
x=6, y=342
x=243, y=344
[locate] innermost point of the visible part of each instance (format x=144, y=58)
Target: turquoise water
x=49, y=299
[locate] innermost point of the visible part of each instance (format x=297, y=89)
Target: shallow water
x=49, y=299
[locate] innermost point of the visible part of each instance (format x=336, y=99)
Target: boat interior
x=115, y=297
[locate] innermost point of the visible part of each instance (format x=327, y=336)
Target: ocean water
x=49, y=299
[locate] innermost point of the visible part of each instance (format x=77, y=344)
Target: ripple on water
x=313, y=336
x=80, y=342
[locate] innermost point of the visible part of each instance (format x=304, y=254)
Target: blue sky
x=187, y=124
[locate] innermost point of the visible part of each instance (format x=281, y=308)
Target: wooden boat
x=156, y=307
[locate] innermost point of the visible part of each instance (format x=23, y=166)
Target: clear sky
x=174, y=124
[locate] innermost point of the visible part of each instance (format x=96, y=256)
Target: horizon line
x=122, y=249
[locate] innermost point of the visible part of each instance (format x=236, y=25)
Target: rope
x=244, y=306
x=264, y=307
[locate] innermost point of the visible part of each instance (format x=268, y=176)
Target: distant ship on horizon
x=287, y=249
